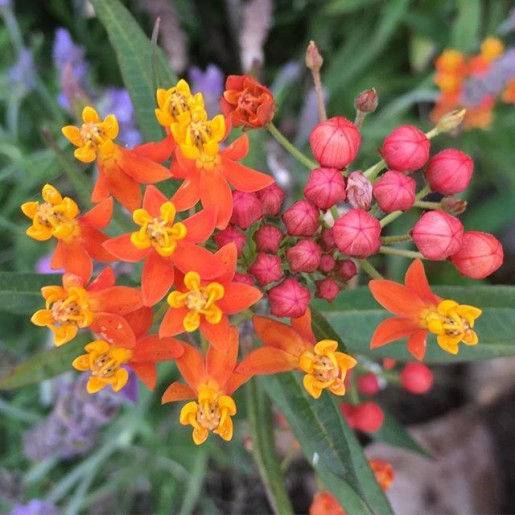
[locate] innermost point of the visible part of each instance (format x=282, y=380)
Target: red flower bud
x=301, y=219
x=349, y=413
x=406, y=148
x=314, y=60
x=359, y=191
x=247, y=209
x=247, y=102
x=416, y=378
x=367, y=101
x=325, y=187
x=449, y=172
x=480, y=255
x=243, y=278
x=395, y=191
x=368, y=417
x=268, y=238
x=357, y=234
x=327, y=263
x=271, y=197
x=368, y=384
x=437, y=235
x=266, y=268
x=346, y=269
x=335, y=142
x=228, y=235
x=289, y=299
x=327, y=289
x=327, y=239
x=304, y=256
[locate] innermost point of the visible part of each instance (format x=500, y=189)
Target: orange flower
x=383, y=472
x=206, y=170
x=79, y=240
x=165, y=244
x=120, y=170
x=246, y=102
x=210, y=380
x=204, y=305
x=295, y=348
x=324, y=503
x=99, y=306
x=419, y=312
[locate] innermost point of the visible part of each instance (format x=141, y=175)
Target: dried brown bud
x=453, y=206
x=367, y=101
x=314, y=60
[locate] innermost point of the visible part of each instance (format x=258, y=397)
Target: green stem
x=360, y=118
x=395, y=239
x=422, y=204
x=369, y=269
x=259, y=408
x=294, y=151
x=401, y=252
x=371, y=173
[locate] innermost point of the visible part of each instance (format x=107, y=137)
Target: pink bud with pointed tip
x=266, y=268
x=325, y=187
x=243, y=278
x=304, y=256
x=395, y=191
x=271, y=197
x=406, y=148
x=301, y=219
x=327, y=263
x=228, y=235
x=449, y=172
x=480, y=255
x=247, y=209
x=335, y=142
x=327, y=289
x=357, y=234
x=437, y=235
x=327, y=239
x=346, y=269
x=268, y=238
x=289, y=299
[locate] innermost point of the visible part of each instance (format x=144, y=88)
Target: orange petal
x=140, y=168
x=188, y=257
x=117, y=299
x=303, y=326
x=187, y=195
x=238, y=149
x=392, y=329
x=100, y=215
x=152, y=348
x=280, y=336
x=100, y=190
x=244, y=178
x=217, y=335
x=93, y=241
x=201, y=225
x=113, y=329
x=172, y=323
x=267, y=360
x=158, y=151
x=122, y=248
x=177, y=392
x=220, y=364
x=146, y=372
x=417, y=344
x=234, y=382
x=156, y=278
x=229, y=257
x=57, y=261
x=105, y=279
x=152, y=201
x=76, y=260
x=191, y=366
x=416, y=281
x=140, y=321
x=238, y=297
x=215, y=191
x=396, y=298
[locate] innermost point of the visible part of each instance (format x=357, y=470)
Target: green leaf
x=20, y=292
x=324, y=331
x=356, y=314
x=465, y=30
x=329, y=444
x=43, y=365
x=135, y=52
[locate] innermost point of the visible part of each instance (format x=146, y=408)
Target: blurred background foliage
x=143, y=461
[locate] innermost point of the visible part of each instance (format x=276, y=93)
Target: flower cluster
x=475, y=82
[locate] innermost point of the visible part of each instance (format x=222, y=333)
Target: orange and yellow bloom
x=420, y=312
x=211, y=381
x=295, y=348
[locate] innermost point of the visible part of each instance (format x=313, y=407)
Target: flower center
x=104, y=366
x=177, y=104
x=199, y=300
x=93, y=134
x=325, y=368
x=158, y=232
x=72, y=308
x=50, y=218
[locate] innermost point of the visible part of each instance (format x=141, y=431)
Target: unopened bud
x=327, y=289
x=268, y=238
x=359, y=191
x=449, y=172
x=304, y=256
x=247, y=209
x=346, y=269
x=406, y=149
x=301, y=219
x=289, y=299
x=266, y=268
x=357, y=234
x=453, y=206
x=314, y=60
x=416, y=378
x=327, y=263
x=325, y=187
x=228, y=235
x=448, y=122
x=366, y=101
x=395, y=191
x=271, y=197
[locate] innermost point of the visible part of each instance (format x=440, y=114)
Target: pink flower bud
x=327, y=239
x=480, y=255
x=349, y=413
x=437, y=235
x=243, y=278
x=289, y=299
x=416, y=378
x=247, y=209
x=266, y=268
x=368, y=384
x=314, y=60
x=304, y=256
x=327, y=263
x=359, y=191
x=406, y=148
x=268, y=238
x=325, y=187
x=228, y=235
x=368, y=417
x=346, y=269
x=335, y=142
x=327, y=289
x=395, y=191
x=301, y=219
x=271, y=197
x=357, y=234
x=449, y=172
x=367, y=101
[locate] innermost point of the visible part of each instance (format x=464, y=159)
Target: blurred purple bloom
x=130, y=391
x=211, y=84
x=43, y=266
x=21, y=76
x=5, y=4
x=66, y=51
x=35, y=507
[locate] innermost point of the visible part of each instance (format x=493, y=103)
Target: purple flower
x=21, y=75
x=210, y=83
x=66, y=51
x=43, y=266
x=35, y=507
